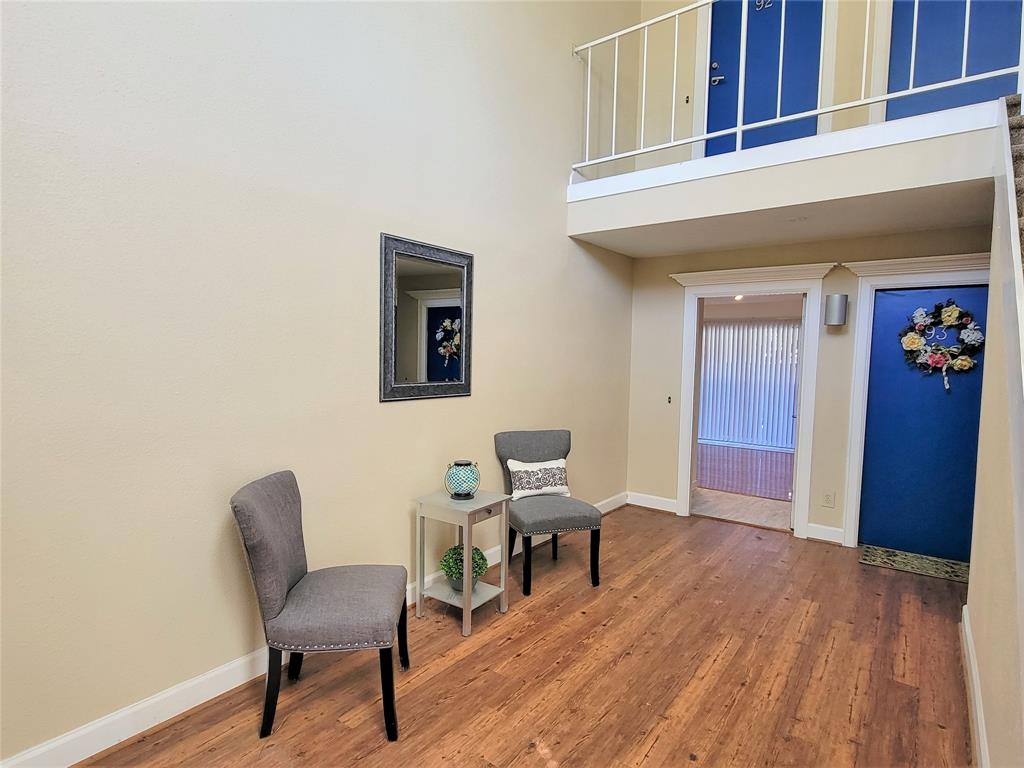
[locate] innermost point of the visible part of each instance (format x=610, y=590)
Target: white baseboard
x=101, y=734
x=652, y=502
x=107, y=731
x=612, y=503
x=979, y=737
x=824, y=533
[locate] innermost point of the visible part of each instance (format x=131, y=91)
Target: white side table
x=485, y=505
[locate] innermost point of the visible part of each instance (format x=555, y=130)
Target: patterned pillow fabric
x=542, y=478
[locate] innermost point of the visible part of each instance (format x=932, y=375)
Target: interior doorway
x=801, y=279
x=746, y=420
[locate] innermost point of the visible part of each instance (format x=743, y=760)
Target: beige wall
x=193, y=196
x=783, y=307
x=657, y=348
x=994, y=599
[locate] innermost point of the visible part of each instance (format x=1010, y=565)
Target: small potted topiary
x=451, y=566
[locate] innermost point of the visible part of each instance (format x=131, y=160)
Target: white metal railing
x=702, y=60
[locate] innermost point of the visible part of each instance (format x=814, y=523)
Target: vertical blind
x=748, y=384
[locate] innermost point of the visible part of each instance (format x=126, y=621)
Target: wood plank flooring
x=707, y=643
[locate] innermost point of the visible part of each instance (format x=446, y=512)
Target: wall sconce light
x=835, y=308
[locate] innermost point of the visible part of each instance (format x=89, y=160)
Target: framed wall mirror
x=426, y=313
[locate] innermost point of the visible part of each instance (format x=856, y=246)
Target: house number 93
x=760, y=5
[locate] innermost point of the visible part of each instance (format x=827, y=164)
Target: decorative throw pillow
x=542, y=478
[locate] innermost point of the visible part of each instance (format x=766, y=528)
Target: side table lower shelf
x=442, y=590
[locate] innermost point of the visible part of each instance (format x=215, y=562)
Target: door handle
x=717, y=79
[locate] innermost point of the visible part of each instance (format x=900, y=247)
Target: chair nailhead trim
x=555, y=530
x=328, y=647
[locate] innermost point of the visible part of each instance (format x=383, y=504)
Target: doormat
x=953, y=570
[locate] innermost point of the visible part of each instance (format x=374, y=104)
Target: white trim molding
x=803, y=279
x=972, y=679
x=659, y=503
x=919, y=265
x=924, y=272
x=828, y=533
x=612, y=503
x=755, y=275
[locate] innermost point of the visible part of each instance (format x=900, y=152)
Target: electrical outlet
x=828, y=499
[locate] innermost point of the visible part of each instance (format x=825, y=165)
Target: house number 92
x=760, y=5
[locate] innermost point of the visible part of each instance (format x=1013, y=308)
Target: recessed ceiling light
x=738, y=297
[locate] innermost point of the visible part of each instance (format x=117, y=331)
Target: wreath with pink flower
x=923, y=340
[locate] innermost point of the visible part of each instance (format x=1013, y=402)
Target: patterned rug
x=953, y=570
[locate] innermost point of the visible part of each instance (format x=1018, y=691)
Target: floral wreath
x=450, y=337
x=922, y=340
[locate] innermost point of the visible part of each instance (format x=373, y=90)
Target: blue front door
x=920, y=440
x=800, y=59
x=444, y=343
x=993, y=43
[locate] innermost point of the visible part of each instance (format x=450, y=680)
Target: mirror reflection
x=428, y=321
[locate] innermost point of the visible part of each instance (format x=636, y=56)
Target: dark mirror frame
x=390, y=246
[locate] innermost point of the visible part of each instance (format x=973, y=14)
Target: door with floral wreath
x=444, y=343
x=921, y=432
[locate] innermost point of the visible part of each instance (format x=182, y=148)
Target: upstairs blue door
x=920, y=441
x=993, y=43
x=800, y=59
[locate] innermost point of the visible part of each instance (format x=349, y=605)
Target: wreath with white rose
x=923, y=340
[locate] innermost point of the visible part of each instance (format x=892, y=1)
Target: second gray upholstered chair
x=539, y=515
x=345, y=608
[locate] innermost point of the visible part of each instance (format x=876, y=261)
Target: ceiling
x=958, y=204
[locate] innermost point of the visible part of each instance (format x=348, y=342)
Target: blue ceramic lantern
x=462, y=479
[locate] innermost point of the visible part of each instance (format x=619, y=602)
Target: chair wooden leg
x=273, y=687
x=387, y=687
x=595, y=549
x=403, y=638
x=527, y=563
x=554, y=546
x=511, y=541
x=294, y=665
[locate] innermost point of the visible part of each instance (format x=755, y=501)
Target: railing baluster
x=967, y=37
x=913, y=43
x=864, y=65
x=821, y=49
x=782, y=53
x=586, y=142
x=743, y=74
x=675, y=73
x=615, y=94
x=643, y=92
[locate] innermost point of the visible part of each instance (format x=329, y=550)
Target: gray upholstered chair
x=345, y=608
x=538, y=515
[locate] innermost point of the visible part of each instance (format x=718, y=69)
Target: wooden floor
x=753, y=510
x=707, y=643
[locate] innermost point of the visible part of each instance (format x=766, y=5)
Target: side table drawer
x=485, y=514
